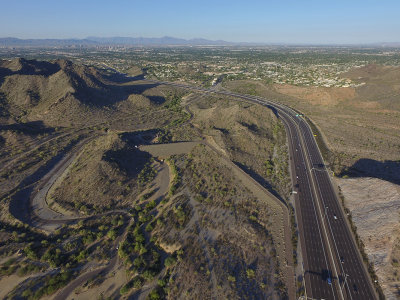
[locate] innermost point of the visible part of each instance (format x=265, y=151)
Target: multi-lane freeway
x=332, y=265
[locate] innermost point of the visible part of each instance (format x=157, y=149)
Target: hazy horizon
x=270, y=22
x=238, y=43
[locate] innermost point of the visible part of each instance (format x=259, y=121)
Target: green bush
x=148, y=275
x=125, y=289
x=250, y=273
x=147, y=174
x=169, y=261
x=82, y=256
x=154, y=295
x=177, y=177
x=53, y=283
x=30, y=252
x=139, y=262
x=151, y=205
x=112, y=234
x=149, y=227
x=137, y=283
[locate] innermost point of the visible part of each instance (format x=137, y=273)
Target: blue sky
x=277, y=21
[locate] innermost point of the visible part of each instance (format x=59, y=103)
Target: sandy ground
x=111, y=285
x=161, y=182
x=375, y=207
x=8, y=283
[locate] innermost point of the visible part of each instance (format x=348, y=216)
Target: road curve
x=47, y=219
x=333, y=268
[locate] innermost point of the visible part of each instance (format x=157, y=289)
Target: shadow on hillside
x=388, y=170
x=36, y=67
x=89, y=89
x=128, y=159
x=122, y=78
x=3, y=73
x=273, y=110
x=31, y=67
x=140, y=88
x=260, y=180
x=111, y=95
x=140, y=137
x=156, y=99
x=30, y=128
x=222, y=130
x=134, y=87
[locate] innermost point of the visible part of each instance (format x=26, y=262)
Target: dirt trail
x=66, y=291
x=8, y=283
x=161, y=182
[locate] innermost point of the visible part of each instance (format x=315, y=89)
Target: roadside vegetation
x=252, y=136
x=56, y=259
x=199, y=218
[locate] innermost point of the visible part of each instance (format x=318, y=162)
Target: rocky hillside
x=62, y=93
x=106, y=173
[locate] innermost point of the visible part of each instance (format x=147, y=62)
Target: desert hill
x=62, y=93
x=107, y=169
x=381, y=86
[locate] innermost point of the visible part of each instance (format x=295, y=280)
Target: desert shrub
x=169, y=261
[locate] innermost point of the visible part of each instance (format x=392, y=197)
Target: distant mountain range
x=162, y=41
x=98, y=41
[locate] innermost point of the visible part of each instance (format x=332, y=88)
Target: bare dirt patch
x=375, y=207
x=8, y=283
x=317, y=95
x=115, y=279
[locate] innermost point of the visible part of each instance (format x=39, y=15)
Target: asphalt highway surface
x=332, y=264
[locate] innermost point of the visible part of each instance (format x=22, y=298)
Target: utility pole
x=304, y=280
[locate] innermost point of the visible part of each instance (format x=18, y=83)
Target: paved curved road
x=333, y=268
